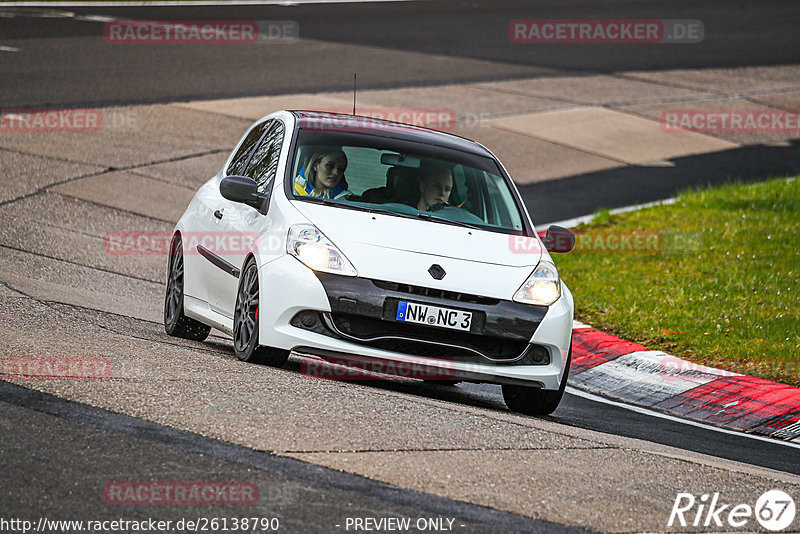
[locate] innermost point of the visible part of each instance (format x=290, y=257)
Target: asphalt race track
x=75, y=67
x=376, y=40
x=323, y=452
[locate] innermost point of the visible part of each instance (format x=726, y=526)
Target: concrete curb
x=616, y=368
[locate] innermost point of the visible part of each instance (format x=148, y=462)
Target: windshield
x=403, y=178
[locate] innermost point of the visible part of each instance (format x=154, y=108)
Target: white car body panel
x=380, y=247
x=409, y=235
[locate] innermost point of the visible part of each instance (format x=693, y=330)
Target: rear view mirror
x=242, y=189
x=400, y=160
x=559, y=239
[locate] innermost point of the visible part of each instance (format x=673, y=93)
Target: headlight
x=542, y=287
x=310, y=246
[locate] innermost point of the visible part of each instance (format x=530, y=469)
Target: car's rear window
x=404, y=178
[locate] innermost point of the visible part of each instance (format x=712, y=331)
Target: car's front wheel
x=245, y=322
x=536, y=401
x=175, y=322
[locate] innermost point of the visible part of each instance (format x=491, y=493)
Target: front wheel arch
x=536, y=401
x=246, y=331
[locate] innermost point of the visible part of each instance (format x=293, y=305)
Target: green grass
x=715, y=280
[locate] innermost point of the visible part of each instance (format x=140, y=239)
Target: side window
x=504, y=210
x=475, y=191
x=264, y=163
x=236, y=168
x=460, y=194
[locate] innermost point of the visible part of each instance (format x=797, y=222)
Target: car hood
x=402, y=250
x=347, y=228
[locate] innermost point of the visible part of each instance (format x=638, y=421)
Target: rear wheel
x=536, y=401
x=175, y=322
x=245, y=322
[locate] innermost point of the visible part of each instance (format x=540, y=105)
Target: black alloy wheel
x=536, y=401
x=175, y=322
x=245, y=322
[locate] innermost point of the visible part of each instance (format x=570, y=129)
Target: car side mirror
x=243, y=189
x=558, y=239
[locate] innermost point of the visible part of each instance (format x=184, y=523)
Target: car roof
x=340, y=122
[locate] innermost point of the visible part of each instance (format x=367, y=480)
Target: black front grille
x=434, y=293
x=411, y=339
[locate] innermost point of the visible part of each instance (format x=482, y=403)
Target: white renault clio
x=358, y=240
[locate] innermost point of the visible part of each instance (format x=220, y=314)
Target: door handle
x=218, y=214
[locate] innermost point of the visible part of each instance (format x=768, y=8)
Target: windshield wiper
x=320, y=200
x=330, y=202
x=422, y=215
x=368, y=209
x=434, y=218
x=384, y=211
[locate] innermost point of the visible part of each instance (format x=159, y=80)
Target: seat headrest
x=402, y=179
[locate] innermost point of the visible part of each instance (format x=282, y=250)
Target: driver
x=435, y=187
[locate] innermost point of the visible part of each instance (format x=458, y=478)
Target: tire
x=245, y=322
x=175, y=322
x=536, y=401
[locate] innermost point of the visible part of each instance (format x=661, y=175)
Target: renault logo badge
x=436, y=271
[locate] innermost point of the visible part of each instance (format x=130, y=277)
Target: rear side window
x=239, y=161
x=264, y=163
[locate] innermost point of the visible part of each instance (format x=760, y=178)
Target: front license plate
x=433, y=315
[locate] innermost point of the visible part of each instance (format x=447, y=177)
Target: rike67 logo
x=774, y=511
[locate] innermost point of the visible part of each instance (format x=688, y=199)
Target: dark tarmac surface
x=97, y=448
x=185, y=411
x=390, y=44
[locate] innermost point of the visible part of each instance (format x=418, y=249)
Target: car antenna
x=354, y=93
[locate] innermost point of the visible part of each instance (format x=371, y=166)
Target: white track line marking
x=9, y=49
x=644, y=411
x=95, y=18
x=569, y=223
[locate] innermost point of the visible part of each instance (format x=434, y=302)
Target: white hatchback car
x=377, y=245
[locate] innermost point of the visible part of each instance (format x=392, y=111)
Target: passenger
x=435, y=187
x=323, y=175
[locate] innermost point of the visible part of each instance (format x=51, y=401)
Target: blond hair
x=316, y=157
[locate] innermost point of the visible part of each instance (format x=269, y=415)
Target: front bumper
x=511, y=329
x=363, y=311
